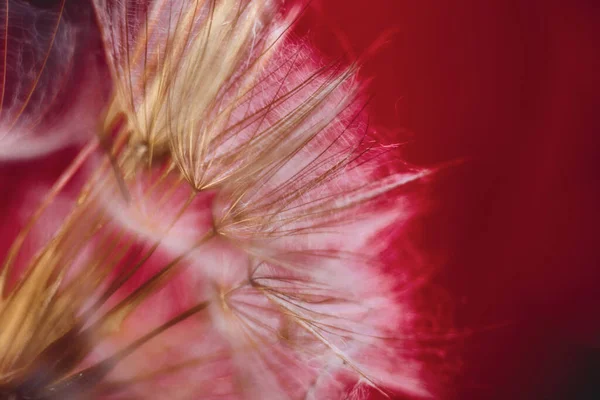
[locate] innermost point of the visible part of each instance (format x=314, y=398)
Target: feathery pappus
x=219, y=233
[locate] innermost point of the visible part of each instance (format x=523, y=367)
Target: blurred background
x=511, y=88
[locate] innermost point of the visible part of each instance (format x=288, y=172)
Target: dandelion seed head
x=226, y=240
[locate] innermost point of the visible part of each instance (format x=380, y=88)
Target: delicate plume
x=38, y=54
x=225, y=225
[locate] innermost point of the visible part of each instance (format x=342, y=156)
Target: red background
x=510, y=87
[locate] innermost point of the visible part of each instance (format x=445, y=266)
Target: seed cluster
x=224, y=227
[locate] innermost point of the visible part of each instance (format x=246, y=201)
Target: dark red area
x=509, y=87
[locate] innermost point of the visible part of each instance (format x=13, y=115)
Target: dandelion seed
x=222, y=242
